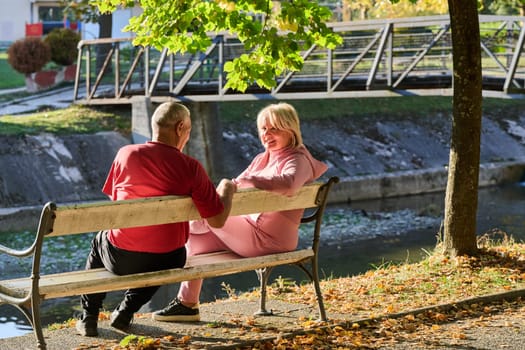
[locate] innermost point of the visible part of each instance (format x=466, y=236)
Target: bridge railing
x=377, y=58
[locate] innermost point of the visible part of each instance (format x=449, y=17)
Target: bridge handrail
x=377, y=55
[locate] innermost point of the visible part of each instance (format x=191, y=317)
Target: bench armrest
x=16, y=252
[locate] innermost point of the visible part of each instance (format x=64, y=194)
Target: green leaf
x=184, y=26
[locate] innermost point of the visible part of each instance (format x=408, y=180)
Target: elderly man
x=156, y=168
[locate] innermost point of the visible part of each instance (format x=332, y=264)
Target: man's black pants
x=123, y=262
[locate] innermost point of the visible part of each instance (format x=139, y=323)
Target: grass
x=348, y=107
x=10, y=78
x=83, y=119
x=73, y=120
x=432, y=281
x=387, y=107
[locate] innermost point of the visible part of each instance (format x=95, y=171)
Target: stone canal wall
x=374, y=158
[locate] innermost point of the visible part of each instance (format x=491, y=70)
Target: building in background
x=38, y=17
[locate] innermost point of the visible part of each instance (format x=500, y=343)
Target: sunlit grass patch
x=73, y=120
x=434, y=280
x=10, y=78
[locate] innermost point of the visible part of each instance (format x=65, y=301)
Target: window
x=50, y=14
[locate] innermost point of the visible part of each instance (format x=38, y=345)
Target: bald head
x=169, y=114
x=171, y=124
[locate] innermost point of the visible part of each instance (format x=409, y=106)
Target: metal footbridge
x=395, y=57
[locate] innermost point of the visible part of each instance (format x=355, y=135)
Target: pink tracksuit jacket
x=283, y=171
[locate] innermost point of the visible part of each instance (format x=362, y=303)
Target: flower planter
x=70, y=73
x=44, y=80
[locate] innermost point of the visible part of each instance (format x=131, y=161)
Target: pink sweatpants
x=246, y=235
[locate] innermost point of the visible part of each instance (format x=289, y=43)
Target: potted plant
x=45, y=62
x=63, y=43
x=28, y=56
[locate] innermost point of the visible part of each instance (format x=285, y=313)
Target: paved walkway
x=223, y=324
x=229, y=324
x=56, y=98
x=12, y=91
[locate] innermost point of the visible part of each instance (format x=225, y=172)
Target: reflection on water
x=498, y=207
x=13, y=325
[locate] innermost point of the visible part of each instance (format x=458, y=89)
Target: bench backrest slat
x=92, y=217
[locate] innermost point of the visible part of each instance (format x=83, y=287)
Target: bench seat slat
x=101, y=280
x=160, y=210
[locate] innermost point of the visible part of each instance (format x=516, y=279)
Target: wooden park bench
x=27, y=293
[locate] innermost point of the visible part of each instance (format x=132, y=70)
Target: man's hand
x=225, y=189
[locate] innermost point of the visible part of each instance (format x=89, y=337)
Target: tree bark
x=105, y=22
x=461, y=199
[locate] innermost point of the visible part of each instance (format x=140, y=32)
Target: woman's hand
x=226, y=188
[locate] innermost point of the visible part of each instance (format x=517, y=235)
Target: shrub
x=63, y=43
x=28, y=55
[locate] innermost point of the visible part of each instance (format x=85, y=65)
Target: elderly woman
x=284, y=167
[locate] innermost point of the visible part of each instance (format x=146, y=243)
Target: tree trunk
x=105, y=22
x=461, y=199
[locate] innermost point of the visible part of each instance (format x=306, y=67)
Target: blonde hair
x=169, y=114
x=281, y=116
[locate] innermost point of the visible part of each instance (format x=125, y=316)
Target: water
x=356, y=237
